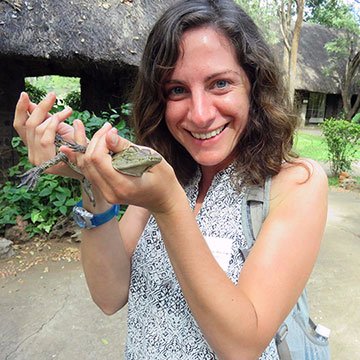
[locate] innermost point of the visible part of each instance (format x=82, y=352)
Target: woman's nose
x=202, y=110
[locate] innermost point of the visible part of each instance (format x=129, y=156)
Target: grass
x=314, y=147
x=310, y=146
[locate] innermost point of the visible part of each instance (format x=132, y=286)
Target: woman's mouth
x=208, y=135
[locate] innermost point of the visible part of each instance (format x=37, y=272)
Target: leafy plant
x=54, y=195
x=342, y=139
x=35, y=93
x=61, y=85
x=73, y=99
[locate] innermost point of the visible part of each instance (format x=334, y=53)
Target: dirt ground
x=37, y=252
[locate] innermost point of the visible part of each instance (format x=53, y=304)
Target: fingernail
x=106, y=124
x=114, y=139
x=48, y=96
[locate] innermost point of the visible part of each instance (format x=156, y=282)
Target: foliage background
x=54, y=196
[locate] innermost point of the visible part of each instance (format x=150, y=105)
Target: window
x=315, y=111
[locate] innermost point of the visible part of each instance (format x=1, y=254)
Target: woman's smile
x=207, y=135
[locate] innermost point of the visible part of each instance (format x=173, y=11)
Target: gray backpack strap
x=281, y=343
x=255, y=208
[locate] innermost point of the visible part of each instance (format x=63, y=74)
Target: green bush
x=54, y=195
x=36, y=94
x=73, y=99
x=342, y=139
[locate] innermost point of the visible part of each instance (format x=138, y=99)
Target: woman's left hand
x=156, y=190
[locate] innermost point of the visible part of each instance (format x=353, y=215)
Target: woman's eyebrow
x=222, y=73
x=173, y=81
x=209, y=77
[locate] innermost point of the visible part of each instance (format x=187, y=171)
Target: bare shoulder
x=304, y=178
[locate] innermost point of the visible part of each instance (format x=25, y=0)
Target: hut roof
x=313, y=60
x=74, y=32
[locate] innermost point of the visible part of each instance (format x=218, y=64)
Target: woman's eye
x=178, y=90
x=220, y=84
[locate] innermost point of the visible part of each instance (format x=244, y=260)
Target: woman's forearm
x=104, y=259
x=106, y=266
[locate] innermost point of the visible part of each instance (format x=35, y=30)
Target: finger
x=114, y=142
x=97, y=160
x=92, y=144
x=79, y=132
x=43, y=142
x=79, y=137
x=32, y=107
x=36, y=117
x=66, y=131
x=48, y=129
x=97, y=154
x=45, y=132
x=21, y=115
x=40, y=112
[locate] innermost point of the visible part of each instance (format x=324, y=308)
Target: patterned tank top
x=160, y=323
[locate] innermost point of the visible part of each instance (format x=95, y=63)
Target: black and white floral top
x=160, y=323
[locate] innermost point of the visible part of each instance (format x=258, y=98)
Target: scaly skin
x=133, y=161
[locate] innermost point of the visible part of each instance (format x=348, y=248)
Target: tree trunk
x=294, y=48
x=351, y=71
x=291, y=39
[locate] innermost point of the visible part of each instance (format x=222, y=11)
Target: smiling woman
x=210, y=100
x=266, y=139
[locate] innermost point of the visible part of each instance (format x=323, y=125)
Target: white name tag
x=221, y=250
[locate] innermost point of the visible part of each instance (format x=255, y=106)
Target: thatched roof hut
x=99, y=41
x=70, y=35
x=313, y=59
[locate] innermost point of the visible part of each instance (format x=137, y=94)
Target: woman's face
x=208, y=98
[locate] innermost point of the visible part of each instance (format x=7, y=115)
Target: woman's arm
x=106, y=250
x=106, y=254
x=239, y=321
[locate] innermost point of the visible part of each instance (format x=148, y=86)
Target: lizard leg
x=30, y=178
x=59, y=141
x=87, y=188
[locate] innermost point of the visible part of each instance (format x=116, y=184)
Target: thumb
x=114, y=142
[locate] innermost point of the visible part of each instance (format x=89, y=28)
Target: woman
x=210, y=100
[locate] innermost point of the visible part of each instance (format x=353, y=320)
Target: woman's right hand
x=37, y=129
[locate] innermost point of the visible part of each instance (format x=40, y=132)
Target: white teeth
x=208, y=135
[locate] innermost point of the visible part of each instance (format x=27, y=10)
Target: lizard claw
x=30, y=178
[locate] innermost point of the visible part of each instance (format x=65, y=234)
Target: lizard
x=133, y=160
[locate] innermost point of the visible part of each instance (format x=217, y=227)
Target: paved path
x=49, y=315
x=334, y=287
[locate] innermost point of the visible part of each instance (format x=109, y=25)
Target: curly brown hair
x=267, y=140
